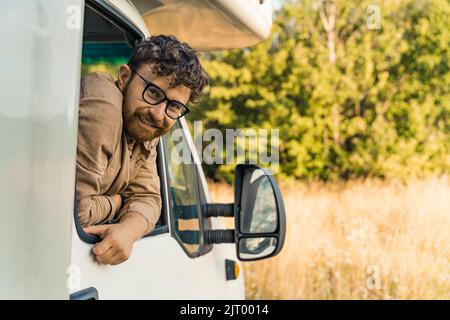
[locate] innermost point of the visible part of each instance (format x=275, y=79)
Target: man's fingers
x=98, y=230
x=115, y=260
x=106, y=257
x=103, y=246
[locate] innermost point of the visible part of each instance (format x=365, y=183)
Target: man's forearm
x=96, y=209
x=136, y=223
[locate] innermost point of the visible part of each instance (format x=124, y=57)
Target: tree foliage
x=351, y=98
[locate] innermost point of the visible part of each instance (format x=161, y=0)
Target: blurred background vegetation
x=357, y=89
x=353, y=94
x=362, y=103
x=360, y=93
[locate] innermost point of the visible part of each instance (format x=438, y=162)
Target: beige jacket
x=109, y=162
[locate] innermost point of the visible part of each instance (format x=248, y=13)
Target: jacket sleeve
x=142, y=195
x=94, y=148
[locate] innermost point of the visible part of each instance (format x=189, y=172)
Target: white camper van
x=44, y=253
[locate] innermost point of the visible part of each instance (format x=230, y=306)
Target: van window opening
x=108, y=43
x=105, y=48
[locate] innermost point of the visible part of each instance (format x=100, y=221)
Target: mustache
x=146, y=114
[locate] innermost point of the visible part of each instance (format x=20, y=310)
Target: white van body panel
x=157, y=269
x=128, y=9
x=40, y=63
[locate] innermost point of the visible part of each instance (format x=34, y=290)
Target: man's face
x=143, y=121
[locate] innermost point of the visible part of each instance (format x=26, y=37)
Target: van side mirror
x=258, y=211
x=260, y=220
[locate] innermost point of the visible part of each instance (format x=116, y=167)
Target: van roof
x=209, y=25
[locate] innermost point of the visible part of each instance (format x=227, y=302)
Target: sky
x=276, y=4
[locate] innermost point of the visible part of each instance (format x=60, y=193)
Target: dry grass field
x=358, y=240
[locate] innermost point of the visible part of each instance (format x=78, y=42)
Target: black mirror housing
x=260, y=218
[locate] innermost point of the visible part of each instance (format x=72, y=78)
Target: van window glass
x=183, y=189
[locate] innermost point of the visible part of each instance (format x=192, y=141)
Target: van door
x=173, y=262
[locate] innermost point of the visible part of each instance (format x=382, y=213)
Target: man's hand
x=118, y=239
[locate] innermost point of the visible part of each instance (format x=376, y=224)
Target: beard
x=140, y=126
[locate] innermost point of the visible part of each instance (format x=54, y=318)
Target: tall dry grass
x=358, y=240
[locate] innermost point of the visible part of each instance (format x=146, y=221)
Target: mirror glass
x=254, y=248
x=261, y=216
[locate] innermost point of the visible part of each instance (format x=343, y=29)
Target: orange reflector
x=236, y=270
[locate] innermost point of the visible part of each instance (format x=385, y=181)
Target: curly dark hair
x=171, y=58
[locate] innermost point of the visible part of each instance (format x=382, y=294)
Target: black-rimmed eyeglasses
x=154, y=95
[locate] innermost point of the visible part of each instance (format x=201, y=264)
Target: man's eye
x=154, y=93
x=176, y=106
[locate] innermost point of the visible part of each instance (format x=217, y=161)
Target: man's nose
x=158, y=111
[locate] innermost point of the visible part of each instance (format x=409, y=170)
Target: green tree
x=357, y=89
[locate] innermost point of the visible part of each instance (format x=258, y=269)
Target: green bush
x=349, y=100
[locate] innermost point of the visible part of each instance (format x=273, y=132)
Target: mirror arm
x=219, y=236
x=218, y=210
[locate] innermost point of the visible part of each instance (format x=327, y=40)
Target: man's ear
x=124, y=76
